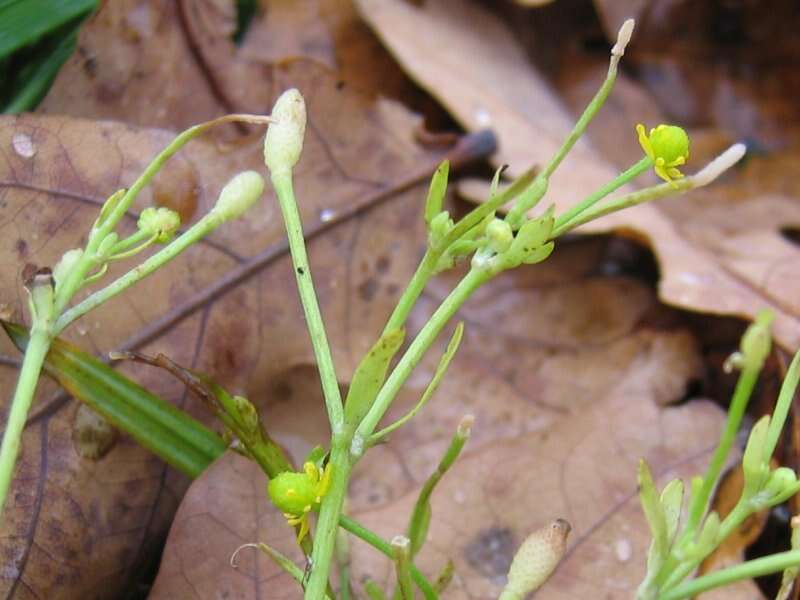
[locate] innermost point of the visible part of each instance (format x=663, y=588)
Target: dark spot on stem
x=301, y=271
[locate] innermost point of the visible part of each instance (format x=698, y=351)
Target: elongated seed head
x=284, y=140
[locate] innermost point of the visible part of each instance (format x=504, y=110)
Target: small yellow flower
x=668, y=147
x=296, y=494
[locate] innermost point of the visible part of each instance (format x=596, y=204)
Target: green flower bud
x=65, y=265
x=668, y=147
x=440, y=226
x=239, y=194
x=755, y=465
x=292, y=492
x=436, y=192
x=780, y=481
x=284, y=140
x=159, y=222
x=499, y=235
x=536, y=559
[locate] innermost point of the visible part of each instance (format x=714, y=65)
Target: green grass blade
x=26, y=21
x=166, y=431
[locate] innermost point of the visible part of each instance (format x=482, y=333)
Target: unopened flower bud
x=500, y=236
x=284, y=140
x=247, y=412
x=160, y=222
x=65, y=265
x=780, y=481
x=536, y=559
x=239, y=194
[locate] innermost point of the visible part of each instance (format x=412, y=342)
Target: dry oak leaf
x=559, y=431
x=478, y=72
x=184, y=50
x=77, y=528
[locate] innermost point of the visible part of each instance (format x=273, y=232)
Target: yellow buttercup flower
x=668, y=147
x=296, y=494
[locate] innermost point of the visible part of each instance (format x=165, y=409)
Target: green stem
x=747, y=570
x=41, y=305
x=418, y=524
x=20, y=405
x=699, y=503
x=627, y=201
x=588, y=114
x=132, y=240
x=385, y=548
x=402, y=565
x=782, y=406
x=413, y=290
x=330, y=514
x=109, y=219
x=631, y=173
x=413, y=355
x=199, y=230
x=282, y=182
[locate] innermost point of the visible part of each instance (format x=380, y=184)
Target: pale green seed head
x=284, y=140
x=671, y=143
x=239, y=194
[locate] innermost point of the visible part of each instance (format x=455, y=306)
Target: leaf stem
x=747, y=570
x=385, y=548
x=631, y=173
x=699, y=502
x=282, y=182
x=41, y=303
x=474, y=279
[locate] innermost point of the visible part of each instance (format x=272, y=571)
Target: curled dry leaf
x=732, y=259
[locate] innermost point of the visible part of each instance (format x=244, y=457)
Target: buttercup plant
x=489, y=243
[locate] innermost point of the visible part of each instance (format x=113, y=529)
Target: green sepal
x=369, y=377
x=156, y=424
x=755, y=465
x=436, y=192
x=671, y=504
x=709, y=535
x=653, y=509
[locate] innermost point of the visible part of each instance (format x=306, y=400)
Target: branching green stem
x=385, y=548
x=474, y=279
x=630, y=174
x=199, y=230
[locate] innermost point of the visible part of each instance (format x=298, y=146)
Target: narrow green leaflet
x=369, y=377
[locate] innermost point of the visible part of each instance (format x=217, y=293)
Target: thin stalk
x=330, y=514
x=747, y=570
x=385, y=548
x=627, y=201
x=596, y=103
x=20, y=405
x=402, y=564
x=282, y=182
x=40, y=289
x=699, y=503
x=420, y=516
x=413, y=290
x=199, y=230
x=631, y=173
x=782, y=406
x=474, y=279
